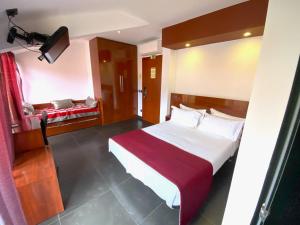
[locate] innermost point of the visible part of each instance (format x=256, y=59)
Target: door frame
x=285, y=141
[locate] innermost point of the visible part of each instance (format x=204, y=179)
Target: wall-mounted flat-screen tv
x=55, y=44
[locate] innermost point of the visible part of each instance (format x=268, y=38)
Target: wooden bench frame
x=72, y=124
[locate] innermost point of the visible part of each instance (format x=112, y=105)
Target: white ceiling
x=138, y=20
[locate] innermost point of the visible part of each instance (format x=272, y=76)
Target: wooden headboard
x=228, y=106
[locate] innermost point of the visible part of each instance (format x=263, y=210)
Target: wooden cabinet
x=36, y=181
x=34, y=173
x=114, y=70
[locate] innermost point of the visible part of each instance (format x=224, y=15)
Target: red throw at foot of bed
x=191, y=174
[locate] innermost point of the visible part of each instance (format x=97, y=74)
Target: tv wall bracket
x=29, y=38
x=51, y=46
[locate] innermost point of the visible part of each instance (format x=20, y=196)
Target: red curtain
x=10, y=208
x=14, y=96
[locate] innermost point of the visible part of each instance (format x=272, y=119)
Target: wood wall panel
x=228, y=106
x=223, y=25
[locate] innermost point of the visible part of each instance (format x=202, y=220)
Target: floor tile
x=104, y=210
x=62, y=140
x=113, y=172
x=214, y=208
x=71, y=164
x=107, y=133
x=89, y=138
x=81, y=188
x=96, y=153
x=136, y=198
x=202, y=221
x=63, y=152
x=52, y=221
x=138, y=123
x=162, y=215
x=85, y=131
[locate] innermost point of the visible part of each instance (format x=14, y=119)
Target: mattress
x=59, y=115
x=215, y=149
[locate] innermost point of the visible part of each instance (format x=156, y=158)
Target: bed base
x=72, y=125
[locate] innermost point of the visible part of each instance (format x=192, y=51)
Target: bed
x=213, y=148
x=65, y=120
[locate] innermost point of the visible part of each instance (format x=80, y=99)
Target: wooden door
x=151, y=88
x=124, y=100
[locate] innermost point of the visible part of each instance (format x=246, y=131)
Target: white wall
x=224, y=70
x=274, y=77
x=69, y=77
x=167, y=81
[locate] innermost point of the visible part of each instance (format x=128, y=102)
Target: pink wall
x=68, y=77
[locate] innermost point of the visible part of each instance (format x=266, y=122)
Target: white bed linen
x=213, y=148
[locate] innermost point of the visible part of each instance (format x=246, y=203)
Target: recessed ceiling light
x=119, y=32
x=247, y=34
x=187, y=45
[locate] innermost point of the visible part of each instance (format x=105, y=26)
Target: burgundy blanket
x=191, y=174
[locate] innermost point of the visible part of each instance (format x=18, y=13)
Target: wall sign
x=153, y=73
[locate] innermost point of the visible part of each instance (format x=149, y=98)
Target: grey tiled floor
x=97, y=191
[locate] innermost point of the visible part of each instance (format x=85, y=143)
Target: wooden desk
x=35, y=176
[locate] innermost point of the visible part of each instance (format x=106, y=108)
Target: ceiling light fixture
x=119, y=32
x=247, y=34
x=187, y=45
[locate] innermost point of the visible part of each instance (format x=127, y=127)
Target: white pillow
x=220, y=114
x=27, y=108
x=90, y=102
x=192, y=109
x=184, y=117
x=227, y=128
x=62, y=104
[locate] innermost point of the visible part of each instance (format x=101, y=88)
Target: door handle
x=145, y=92
x=121, y=83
